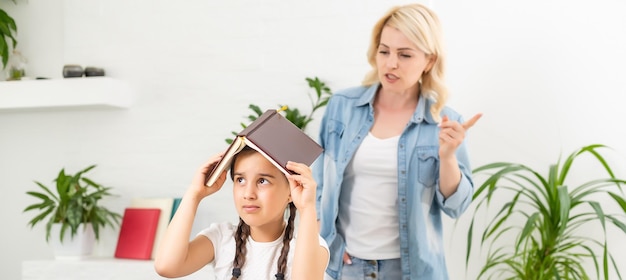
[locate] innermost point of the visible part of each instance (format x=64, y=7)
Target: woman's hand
x=452, y=134
x=197, y=188
x=302, y=184
x=346, y=258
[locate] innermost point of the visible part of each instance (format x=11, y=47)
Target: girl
x=261, y=246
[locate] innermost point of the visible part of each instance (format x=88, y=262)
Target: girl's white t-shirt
x=261, y=257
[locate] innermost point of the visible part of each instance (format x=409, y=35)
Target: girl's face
x=400, y=63
x=261, y=192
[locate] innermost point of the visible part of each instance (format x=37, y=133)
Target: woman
x=394, y=157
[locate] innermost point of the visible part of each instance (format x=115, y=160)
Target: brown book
x=276, y=138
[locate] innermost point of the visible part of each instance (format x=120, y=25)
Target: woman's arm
x=451, y=136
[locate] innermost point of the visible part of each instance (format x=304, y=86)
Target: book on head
x=276, y=138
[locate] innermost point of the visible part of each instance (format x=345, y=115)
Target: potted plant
x=72, y=205
x=318, y=100
x=541, y=232
x=8, y=30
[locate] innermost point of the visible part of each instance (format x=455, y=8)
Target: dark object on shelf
x=94, y=71
x=72, y=71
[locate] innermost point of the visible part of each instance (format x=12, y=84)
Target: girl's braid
x=282, y=260
x=241, y=236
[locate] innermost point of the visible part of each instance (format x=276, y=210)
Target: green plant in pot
x=72, y=203
x=318, y=99
x=8, y=31
x=541, y=230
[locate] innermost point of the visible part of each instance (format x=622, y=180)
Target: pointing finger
x=472, y=121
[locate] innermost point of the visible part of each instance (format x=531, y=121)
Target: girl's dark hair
x=243, y=232
x=241, y=236
x=282, y=260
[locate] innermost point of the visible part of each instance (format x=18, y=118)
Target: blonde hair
x=421, y=26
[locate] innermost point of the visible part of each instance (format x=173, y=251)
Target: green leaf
x=53, y=196
x=4, y=51
x=564, y=208
x=528, y=228
x=7, y=20
x=600, y=214
x=619, y=276
x=468, y=249
x=38, y=195
x=255, y=109
x=45, y=204
x=40, y=217
x=620, y=201
x=617, y=223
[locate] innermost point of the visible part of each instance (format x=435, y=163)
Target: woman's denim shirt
x=347, y=120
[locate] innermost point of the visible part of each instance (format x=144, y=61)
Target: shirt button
x=373, y=275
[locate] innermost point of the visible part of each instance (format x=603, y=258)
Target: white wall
x=548, y=77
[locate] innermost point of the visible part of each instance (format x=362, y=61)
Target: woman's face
x=260, y=190
x=399, y=62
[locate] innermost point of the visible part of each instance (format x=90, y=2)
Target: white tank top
x=368, y=211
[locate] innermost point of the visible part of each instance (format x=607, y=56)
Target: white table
x=99, y=269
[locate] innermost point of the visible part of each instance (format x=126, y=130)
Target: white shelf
x=91, y=92
x=100, y=269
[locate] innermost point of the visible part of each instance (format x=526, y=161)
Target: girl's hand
x=452, y=134
x=197, y=188
x=302, y=185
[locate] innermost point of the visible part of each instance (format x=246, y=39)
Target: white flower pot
x=79, y=247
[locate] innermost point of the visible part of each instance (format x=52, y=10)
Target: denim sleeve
x=459, y=201
x=318, y=165
x=318, y=175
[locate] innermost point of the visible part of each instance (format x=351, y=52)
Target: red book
x=137, y=233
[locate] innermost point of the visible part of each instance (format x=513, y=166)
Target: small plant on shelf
x=8, y=31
